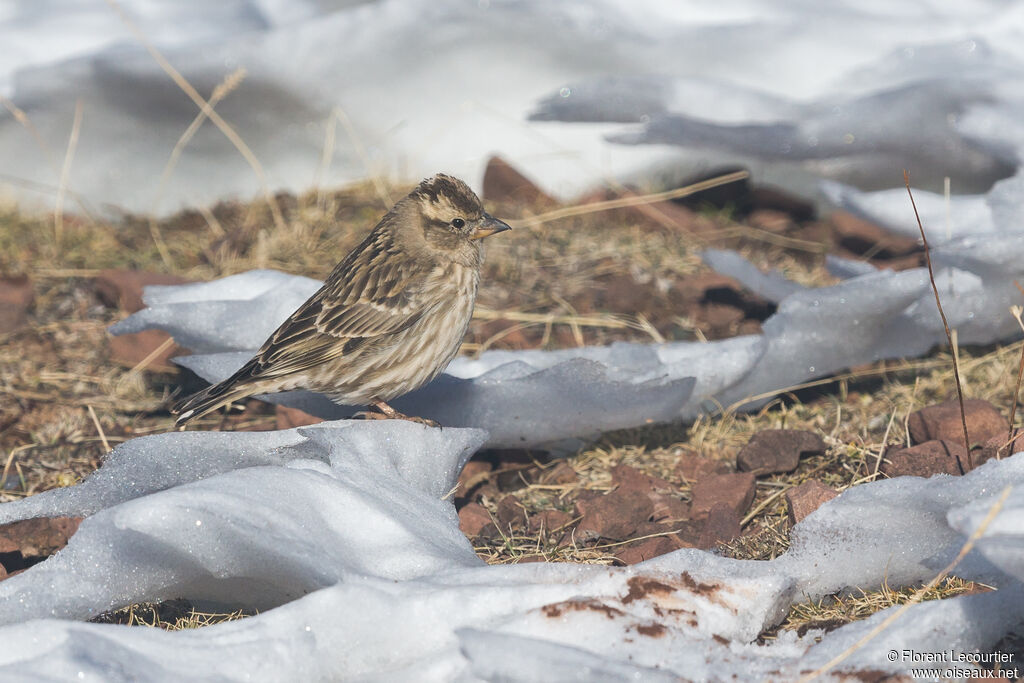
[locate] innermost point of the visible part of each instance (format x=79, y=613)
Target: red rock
x=293, y=417
x=942, y=422
x=644, y=550
x=3, y=573
x=131, y=349
x=720, y=316
x=549, y=520
x=736, y=490
x=861, y=236
x=16, y=296
x=474, y=473
x=473, y=517
x=123, y=288
x=776, y=199
x=511, y=514
x=692, y=467
x=804, y=499
x=778, y=450
x=997, y=447
x=627, y=477
x=503, y=183
x=722, y=525
x=614, y=516
x=770, y=220
x=925, y=459
x=661, y=493
x=39, y=537
x=561, y=474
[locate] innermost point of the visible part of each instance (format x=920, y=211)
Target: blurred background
x=574, y=94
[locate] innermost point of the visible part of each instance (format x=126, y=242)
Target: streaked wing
x=370, y=294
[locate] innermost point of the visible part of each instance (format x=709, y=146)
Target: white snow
x=341, y=532
x=342, y=535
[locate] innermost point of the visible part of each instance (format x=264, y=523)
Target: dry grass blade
x=997, y=506
x=945, y=324
x=223, y=89
x=378, y=184
x=230, y=82
x=69, y=155
x=1016, y=312
x=200, y=102
x=625, y=202
x=22, y=118
x=99, y=429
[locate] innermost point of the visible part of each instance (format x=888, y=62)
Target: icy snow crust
x=853, y=92
x=556, y=398
x=341, y=535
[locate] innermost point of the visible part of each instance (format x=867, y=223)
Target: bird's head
x=451, y=215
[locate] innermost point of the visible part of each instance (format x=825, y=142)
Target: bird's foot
x=386, y=412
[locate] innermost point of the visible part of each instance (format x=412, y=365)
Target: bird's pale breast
x=387, y=368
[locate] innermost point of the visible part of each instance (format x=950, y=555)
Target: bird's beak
x=488, y=226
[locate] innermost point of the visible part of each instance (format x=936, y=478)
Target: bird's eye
x=458, y=223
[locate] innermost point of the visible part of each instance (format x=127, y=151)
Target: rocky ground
x=731, y=483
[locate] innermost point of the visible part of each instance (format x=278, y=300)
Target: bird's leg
x=389, y=413
x=387, y=410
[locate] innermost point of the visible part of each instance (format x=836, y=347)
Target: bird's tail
x=214, y=396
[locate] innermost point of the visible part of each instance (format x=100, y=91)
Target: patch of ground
x=628, y=274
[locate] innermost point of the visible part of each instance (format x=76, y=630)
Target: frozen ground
x=554, y=398
x=341, y=532
x=359, y=569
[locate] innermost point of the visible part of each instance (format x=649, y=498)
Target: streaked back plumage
x=388, y=319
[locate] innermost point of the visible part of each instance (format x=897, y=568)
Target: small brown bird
x=390, y=316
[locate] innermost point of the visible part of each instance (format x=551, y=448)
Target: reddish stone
x=630, y=478
x=778, y=450
x=804, y=499
x=288, y=418
x=131, y=349
x=661, y=493
x=770, y=220
x=549, y=520
x=861, y=236
x=511, y=513
x=692, y=467
x=474, y=473
x=720, y=316
x=942, y=421
x=722, y=525
x=925, y=459
x=561, y=474
x=614, y=516
x=644, y=550
x=16, y=296
x=39, y=537
x=123, y=288
x=999, y=447
x=473, y=517
x=777, y=199
x=503, y=183
x=736, y=490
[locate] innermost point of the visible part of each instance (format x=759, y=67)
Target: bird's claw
x=374, y=415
